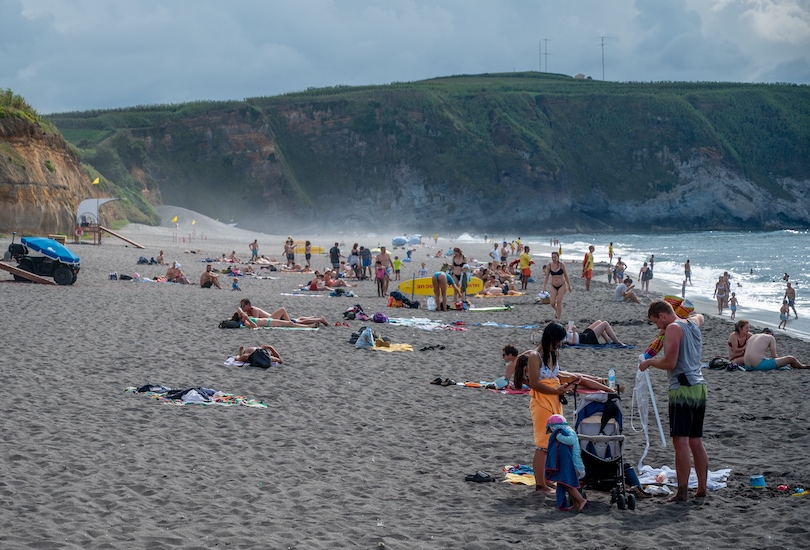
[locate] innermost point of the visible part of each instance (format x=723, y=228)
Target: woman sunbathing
x=333, y=283
x=591, y=335
x=737, y=341
x=174, y=275
x=244, y=353
x=256, y=322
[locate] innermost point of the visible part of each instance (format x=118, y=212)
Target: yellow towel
x=394, y=347
x=521, y=479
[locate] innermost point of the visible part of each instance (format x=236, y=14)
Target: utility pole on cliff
x=603, y=59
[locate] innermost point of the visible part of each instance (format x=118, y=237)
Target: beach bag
x=365, y=340
x=379, y=318
x=719, y=363
x=230, y=323
x=142, y=260
x=260, y=358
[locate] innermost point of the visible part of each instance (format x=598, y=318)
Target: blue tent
x=51, y=249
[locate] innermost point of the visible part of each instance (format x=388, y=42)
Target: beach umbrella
x=51, y=249
x=642, y=397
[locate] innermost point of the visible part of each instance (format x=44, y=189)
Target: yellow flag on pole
x=174, y=219
x=95, y=181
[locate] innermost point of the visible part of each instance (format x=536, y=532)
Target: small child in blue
x=564, y=462
x=235, y=284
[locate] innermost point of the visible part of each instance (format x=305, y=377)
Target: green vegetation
x=15, y=106
x=49, y=165
x=460, y=135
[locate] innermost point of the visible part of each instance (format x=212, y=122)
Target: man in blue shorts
x=254, y=250
x=687, y=392
x=755, y=354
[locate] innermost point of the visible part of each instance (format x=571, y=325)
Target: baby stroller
x=599, y=427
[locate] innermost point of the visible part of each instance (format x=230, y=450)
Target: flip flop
x=437, y=381
x=479, y=477
x=426, y=348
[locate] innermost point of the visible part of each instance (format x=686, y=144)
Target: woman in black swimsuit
x=457, y=269
x=559, y=282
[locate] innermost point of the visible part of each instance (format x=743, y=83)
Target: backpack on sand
x=260, y=358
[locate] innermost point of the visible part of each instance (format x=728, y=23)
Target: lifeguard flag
x=174, y=219
x=95, y=181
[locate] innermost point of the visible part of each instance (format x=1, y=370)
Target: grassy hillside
x=459, y=136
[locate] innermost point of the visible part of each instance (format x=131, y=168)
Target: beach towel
x=501, y=325
x=609, y=345
x=232, y=362
x=193, y=396
x=393, y=347
x=283, y=328
x=519, y=474
x=716, y=479
x=510, y=293
x=505, y=307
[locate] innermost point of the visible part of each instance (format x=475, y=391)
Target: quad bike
x=57, y=261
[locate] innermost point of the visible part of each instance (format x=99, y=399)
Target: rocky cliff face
x=41, y=181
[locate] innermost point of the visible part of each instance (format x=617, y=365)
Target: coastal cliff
x=42, y=181
x=524, y=152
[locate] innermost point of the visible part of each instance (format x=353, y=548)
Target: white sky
x=65, y=55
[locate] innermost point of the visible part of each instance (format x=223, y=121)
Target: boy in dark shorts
x=687, y=392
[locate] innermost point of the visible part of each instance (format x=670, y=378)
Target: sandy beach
x=355, y=448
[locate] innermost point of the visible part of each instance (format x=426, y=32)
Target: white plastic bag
x=365, y=340
x=431, y=303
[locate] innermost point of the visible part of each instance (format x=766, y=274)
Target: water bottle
x=612, y=379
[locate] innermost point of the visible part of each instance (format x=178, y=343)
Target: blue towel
x=612, y=345
x=560, y=467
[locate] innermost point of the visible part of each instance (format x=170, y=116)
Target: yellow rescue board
x=423, y=286
x=299, y=249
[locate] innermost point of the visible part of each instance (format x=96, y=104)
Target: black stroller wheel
x=613, y=493
x=621, y=503
x=631, y=501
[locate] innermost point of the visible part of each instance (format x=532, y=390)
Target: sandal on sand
x=437, y=381
x=479, y=477
x=426, y=348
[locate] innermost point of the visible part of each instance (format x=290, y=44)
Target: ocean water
x=756, y=261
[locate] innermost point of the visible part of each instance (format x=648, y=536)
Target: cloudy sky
x=97, y=54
